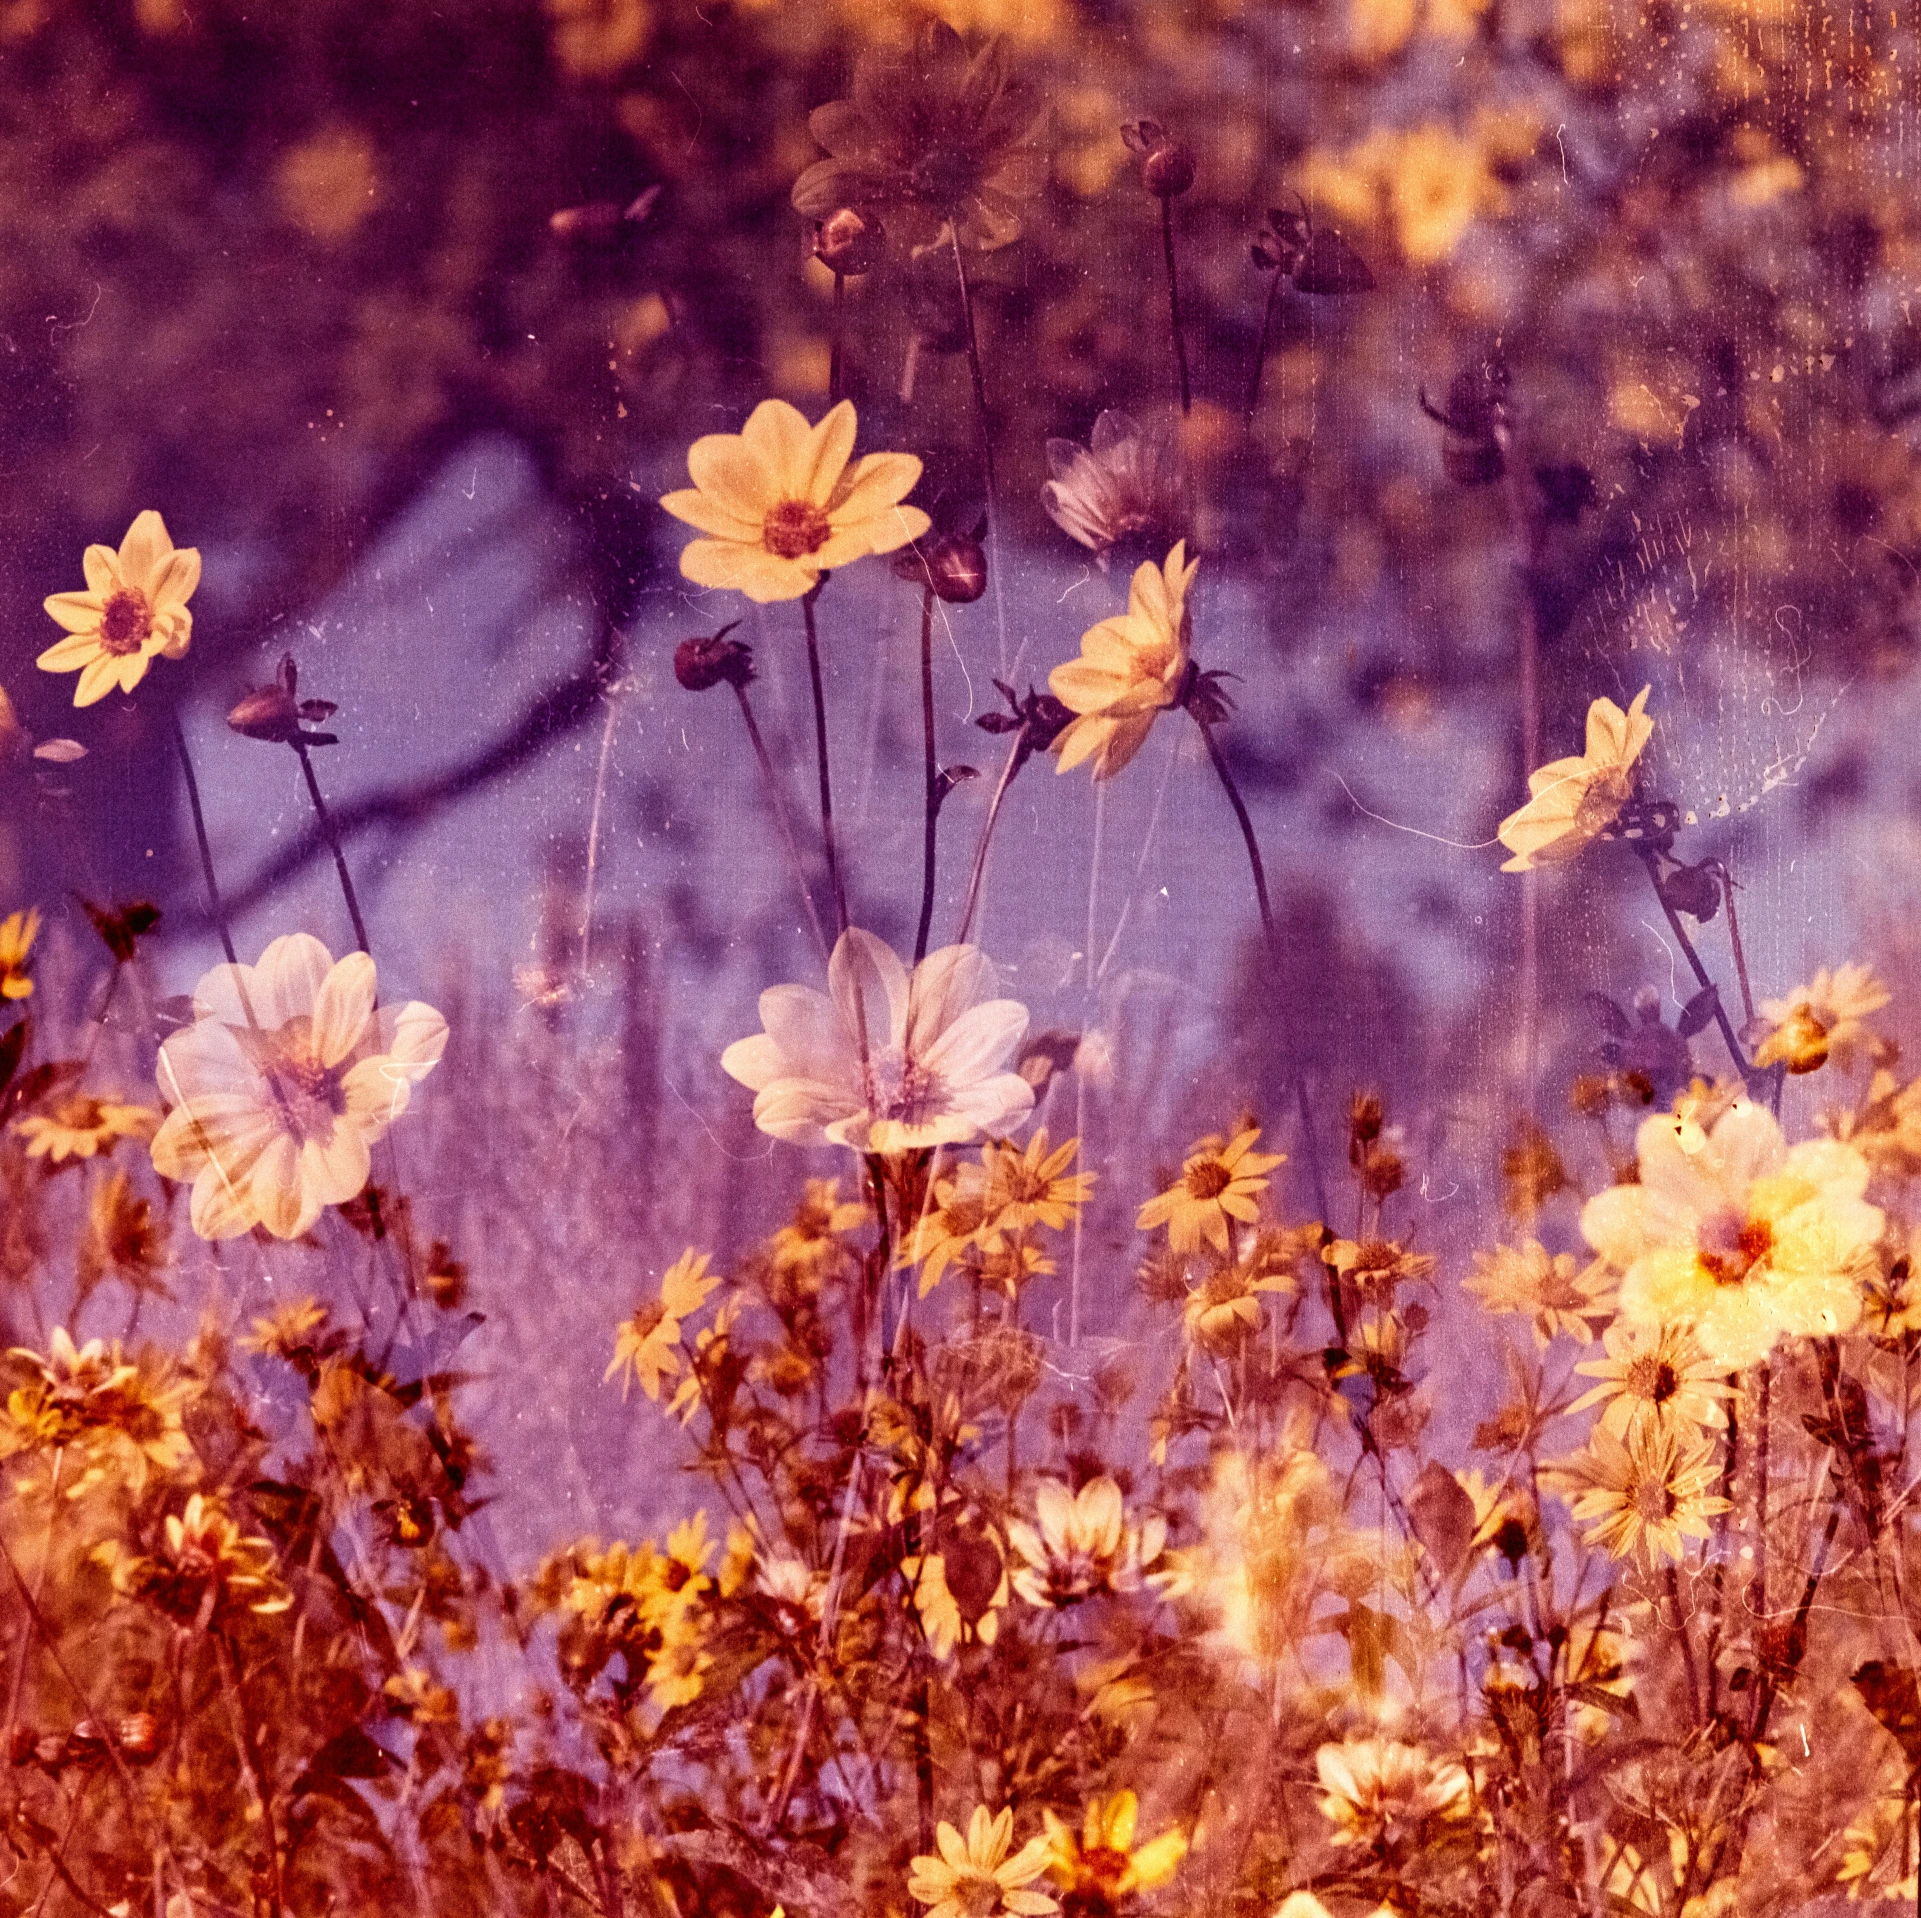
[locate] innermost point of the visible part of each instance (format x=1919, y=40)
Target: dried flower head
x=932, y=136
x=952, y=566
x=1167, y=166
x=849, y=244
x=1125, y=489
x=1575, y=800
x=133, y=611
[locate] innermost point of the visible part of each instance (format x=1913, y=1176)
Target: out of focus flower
x=1744, y=1238
x=206, y=1565
x=974, y=1877
x=125, y=1420
x=81, y=1125
x=932, y=136
x=1557, y=1294
x=1646, y=1495
x=1221, y=1180
x=1378, y=1792
x=647, y=1347
x=282, y=1085
x=1103, y=1866
x=885, y=1061
x=1218, y=1313
x=810, y=1245
x=1081, y=1543
x=122, y=1237
x=947, y=1232
x=781, y=502
x=1824, y=1020
x=1132, y=668
x=846, y=244
x=1124, y=487
x=18, y=931
x=1652, y=1372
x=133, y=610
x=1576, y=800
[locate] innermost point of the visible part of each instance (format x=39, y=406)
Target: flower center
x=1654, y=1502
x=794, y=528
x=1729, y=1246
x=127, y=623
x=306, y=1096
x=943, y=175
x=900, y=1088
x=1207, y=1179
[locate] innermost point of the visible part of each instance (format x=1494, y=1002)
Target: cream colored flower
x=1826, y=1019
x=80, y=1125
x=975, y=1878
x=780, y=504
x=647, y=1347
x=1376, y=1790
x=1082, y=1544
x=1576, y=800
x=1744, y=1238
x=287, y=1077
x=134, y=610
x=1647, y=1495
x=1131, y=668
x=18, y=930
x=885, y=1061
x=1220, y=1180
x=1558, y=1294
x=1655, y=1372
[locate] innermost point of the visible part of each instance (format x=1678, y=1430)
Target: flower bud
x=849, y=244
x=703, y=663
x=275, y=713
x=1168, y=171
x=951, y=565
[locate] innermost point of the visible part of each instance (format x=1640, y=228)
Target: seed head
x=275, y=713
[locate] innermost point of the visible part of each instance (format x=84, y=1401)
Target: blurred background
x=405, y=314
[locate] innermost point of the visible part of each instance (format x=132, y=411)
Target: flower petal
x=342, y=1008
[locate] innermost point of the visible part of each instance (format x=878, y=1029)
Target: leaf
x=1442, y=1515
x=1330, y=265
x=1699, y=1012
x=1890, y=1693
x=121, y=927
x=12, y=1045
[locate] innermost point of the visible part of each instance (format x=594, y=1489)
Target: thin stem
x=1650, y=860
x=333, y=841
x=1260, y=350
x=770, y=779
x=931, y=787
x=833, y=357
x=1174, y=300
x=1687, y=1644
x=1762, y=1420
x=1016, y=759
x=593, y=833
x=974, y=364
x=206, y=851
x=1740, y=953
x=820, y=755
x=1526, y=528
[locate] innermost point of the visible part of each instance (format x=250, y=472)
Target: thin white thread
x=1441, y=839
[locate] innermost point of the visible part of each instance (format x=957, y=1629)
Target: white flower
x=282, y=1084
x=885, y=1062
x=1082, y=1544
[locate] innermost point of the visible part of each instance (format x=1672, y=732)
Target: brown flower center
x=1653, y=1379
x=1207, y=1179
x=978, y=1895
x=901, y=1088
x=1654, y=1502
x=794, y=528
x=127, y=623
x=1729, y=1246
x=306, y=1096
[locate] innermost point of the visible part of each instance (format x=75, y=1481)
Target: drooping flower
x=1219, y=1312
x=1647, y=1494
x=1132, y=667
x=1558, y=1294
x=885, y=1060
x=280, y=1088
x=781, y=502
x=1221, y=1180
x=1744, y=1238
x=1102, y=1866
x=1123, y=486
x=1826, y=1019
x=81, y=1125
x=647, y=1346
x=133, y=610
x=1575, y=800
x=1652, y=1372
x=975, y=1878
x=931, y=136
x=1082, y=1543
x=18, y=930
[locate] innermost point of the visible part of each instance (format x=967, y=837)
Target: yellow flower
x=975, y=1878
x=1219, y=1312
x=207, y=1565
x=948, y=1232
x=289, y=1329
x=647, y=1346
x=1645, y=1495
x=781, y=505
x=1655, y=1372
x=1576, y=800
x=135, y=607
x=282, y=1085
x=123, y=1237
x=81, y=1125
x=1376, y=1790
x=1103, y=1865
x=18, y=930
x=1744, y=1238
x=1823, y=1020
x=1031, y=1187
x=1131, y=668
x=804, y=1252
x=1218, y=1182
x=1559, y=1294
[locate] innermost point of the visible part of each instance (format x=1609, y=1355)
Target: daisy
x=884, y=1060
x=975, y=1878
x=1124, y=485
x=1219, y=1181
x=1647, y=1495
x=1744, y=1238
x=1103, y=1865
x=1131, y=667
x=1652, y=1372
x=781, y=504
x=1032, y=1187
x=18, y=930
x=1576, y=800
x=1558, y=1293
x=134, y=609
x=1082, y=1543
x=948, y=1233
x=1219, y=1312
x=1372, y=1788
x=80, y=1125
x=647, y=1347
x=280, y=1088
x=1822, y=1020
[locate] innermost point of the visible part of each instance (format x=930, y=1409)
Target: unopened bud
x=700, y=664
x=1168, y=171
x=276, y=713
x=849, y=243
x=953, y=566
